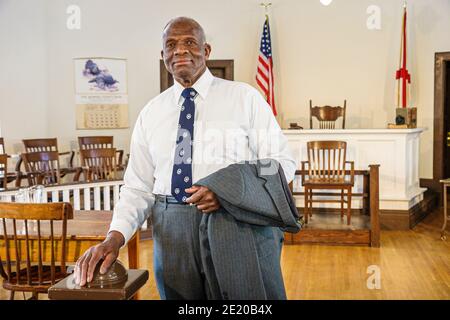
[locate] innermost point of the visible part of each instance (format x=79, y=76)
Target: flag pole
x=400, y=55
x=409, y=87
x=266, y=6
x=402, y=75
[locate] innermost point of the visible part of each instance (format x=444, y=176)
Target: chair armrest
x=352, y=171
x=304, y=165
x=19, y=177
x=78, y=172
x=86, y=173
x=120, y=152
x=18, y=164
x=72, y=155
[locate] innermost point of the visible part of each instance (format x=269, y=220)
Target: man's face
x=184, y=51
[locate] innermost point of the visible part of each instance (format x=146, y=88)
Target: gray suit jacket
x=240, y=249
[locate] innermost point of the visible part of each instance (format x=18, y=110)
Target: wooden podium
x=66, y=289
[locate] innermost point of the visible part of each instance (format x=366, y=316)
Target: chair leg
x=11, y=295
x=306, y=205
x=349, y=205
x=34, y=296
x=77, y=175
x=342, y=203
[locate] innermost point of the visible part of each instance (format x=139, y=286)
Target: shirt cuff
x=124, y=228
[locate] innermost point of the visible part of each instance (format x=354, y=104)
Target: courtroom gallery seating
x=10, y=176
x=101, y=142
x=49, y=144
x=3, y=171
x=99, y=164
x=42, y=167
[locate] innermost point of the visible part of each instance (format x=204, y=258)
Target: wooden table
x=446, y=184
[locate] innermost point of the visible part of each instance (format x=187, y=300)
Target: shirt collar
x=202, y=85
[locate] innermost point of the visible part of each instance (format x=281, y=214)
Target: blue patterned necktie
x=182, y=165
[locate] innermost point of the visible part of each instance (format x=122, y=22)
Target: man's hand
x=205, y=200
x=107, y=250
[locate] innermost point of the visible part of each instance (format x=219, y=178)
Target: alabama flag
x=402, y=75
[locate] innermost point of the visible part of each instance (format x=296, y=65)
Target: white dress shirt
x=232, y=123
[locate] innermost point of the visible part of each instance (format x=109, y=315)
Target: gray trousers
x=177, y=259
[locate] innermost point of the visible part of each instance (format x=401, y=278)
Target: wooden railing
x=101, y=195
x=371, y=206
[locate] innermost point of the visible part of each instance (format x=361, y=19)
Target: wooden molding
x=407, y=219
x=441, y=58
x=336, y=237
x=220, y=68
x=431, y=184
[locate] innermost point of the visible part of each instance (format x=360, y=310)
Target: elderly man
x=209, y=122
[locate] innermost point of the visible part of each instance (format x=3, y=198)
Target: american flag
x=264, y=75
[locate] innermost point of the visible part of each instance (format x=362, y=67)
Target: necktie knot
x=188, y=93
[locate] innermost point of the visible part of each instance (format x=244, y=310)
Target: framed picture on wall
x=220, y=68
x=101, y=93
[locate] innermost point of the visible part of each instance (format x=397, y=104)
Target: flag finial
x=404, y=4
x=266, y=6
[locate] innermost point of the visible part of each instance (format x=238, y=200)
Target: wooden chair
x=11, y=176
x=3, y=171
x=101, y=142
x=3, y=165
x=99, y=164
x=34, y=259
x=51, y=144
x=2, y=146
x=42, y=167
x=327, y=115
x=326, y=167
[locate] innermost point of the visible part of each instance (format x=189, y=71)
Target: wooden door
x=446, y=138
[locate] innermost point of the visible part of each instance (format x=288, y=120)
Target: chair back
x=40, y=145
x=327, y=115
x=99, y=164
x=33, y=258
x=95, y=142
x=3, y=171
x=2, y=146
x=42, y=167
x=326, y=159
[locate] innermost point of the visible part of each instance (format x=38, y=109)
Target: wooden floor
x=413, y=264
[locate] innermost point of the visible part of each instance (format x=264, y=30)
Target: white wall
x=323, y=53
x=23, y=72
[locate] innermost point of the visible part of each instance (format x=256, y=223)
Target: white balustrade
x=79, y=194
